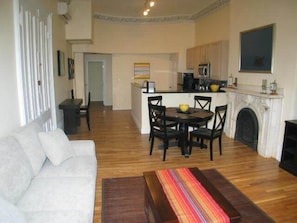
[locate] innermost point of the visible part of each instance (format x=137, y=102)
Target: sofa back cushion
x=27, y=136
x=15, y=170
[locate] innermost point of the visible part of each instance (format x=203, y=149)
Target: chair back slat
x=202, y=102
x=220, y=118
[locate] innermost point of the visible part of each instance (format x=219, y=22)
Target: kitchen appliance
x=185, y=81
x=150, y=86
x=204, y=70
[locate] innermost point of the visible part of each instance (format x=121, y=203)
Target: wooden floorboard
x=122, y=151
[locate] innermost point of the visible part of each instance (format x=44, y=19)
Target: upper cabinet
x=190, y=58
x=215, y=53
x=218, y=57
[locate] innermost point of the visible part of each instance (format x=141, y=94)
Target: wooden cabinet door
x=190, y=58
x=218, y=56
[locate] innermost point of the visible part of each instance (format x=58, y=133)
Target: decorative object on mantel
x=273, y=88
x=230, y=81
x=264, y=86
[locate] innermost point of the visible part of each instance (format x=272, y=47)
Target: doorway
x=95, y=80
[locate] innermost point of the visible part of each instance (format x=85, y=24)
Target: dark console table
x=289, y=153
x=70, y=109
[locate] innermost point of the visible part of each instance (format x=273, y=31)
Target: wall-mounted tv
x=256, y=49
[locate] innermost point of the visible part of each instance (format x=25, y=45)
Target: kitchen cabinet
x=289, y=152
x=203, y=52
x=190, y=58
x=218, y=55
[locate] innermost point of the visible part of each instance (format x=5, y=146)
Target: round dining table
x=184, y=118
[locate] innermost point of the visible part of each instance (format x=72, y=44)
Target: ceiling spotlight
x=152, y=3
x=147, y=5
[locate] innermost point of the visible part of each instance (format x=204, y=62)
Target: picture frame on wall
x=70, y=68
x=141, y=70
x=61, y=63
x=256, y=50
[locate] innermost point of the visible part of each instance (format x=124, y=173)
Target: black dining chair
x=160, y=128
x=211, y=134
x=201, y=102
x=84, y=111
x=157, y=100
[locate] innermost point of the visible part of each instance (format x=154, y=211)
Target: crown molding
x=163, y=19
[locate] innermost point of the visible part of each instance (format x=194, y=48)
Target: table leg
x=184, y=127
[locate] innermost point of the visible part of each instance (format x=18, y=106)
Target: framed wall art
x=256, y=49
x=141, y=70
x=61, y=63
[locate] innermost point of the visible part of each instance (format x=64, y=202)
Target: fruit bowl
x=214, y=87
x=184, y=107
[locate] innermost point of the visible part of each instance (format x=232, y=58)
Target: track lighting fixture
x=147, y=6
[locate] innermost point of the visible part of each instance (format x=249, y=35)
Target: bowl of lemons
x=183, y=107
x=214, y=87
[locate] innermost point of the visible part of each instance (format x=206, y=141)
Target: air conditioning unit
x=63, y=10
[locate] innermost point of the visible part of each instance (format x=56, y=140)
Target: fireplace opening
x=247, y=128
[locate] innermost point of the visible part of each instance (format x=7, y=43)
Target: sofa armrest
x=83, y=147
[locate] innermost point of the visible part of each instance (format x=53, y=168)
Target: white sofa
x=45, y=178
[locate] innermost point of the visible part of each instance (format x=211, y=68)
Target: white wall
x=213, y=27
x=245, y=15
x=10, y=112
x=9, y=115
x=141, y=42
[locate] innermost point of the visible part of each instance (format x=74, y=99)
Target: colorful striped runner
x=188, y=198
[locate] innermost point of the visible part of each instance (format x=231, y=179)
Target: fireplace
x=259, y=117
x=247, y=128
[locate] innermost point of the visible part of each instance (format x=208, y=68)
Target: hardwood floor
x=122, y=151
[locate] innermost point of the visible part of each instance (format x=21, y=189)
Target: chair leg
x=150, y=136
x=88, y=121
x=190, y=144
x=152, y=145
x=220, y=145
x=201, y=144
x=165, y=149
x=211, y=151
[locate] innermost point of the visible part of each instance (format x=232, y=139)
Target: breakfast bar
x=170, y=99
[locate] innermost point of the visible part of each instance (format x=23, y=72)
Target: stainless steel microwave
x=204, y=70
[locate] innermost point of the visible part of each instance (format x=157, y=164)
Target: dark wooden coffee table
x=158, y=208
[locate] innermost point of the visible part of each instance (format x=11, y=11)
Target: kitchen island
x=170, y=99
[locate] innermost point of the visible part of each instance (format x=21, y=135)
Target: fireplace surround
x=267, y=110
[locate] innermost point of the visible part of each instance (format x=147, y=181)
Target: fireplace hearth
x=259, y=117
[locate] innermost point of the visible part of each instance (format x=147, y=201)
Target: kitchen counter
x=170, y=99
x=181, y=91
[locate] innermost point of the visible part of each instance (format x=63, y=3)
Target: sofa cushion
x=78, y=166
x=58, y=217
x=60, y=194
x=56, y=146
x=9, y=213
x=28, y=138
x=15, y=170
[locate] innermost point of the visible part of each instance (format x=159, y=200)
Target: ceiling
x=163, y=8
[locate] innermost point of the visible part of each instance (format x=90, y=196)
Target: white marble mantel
x=268, y=109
